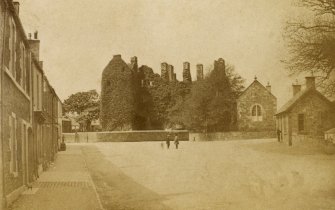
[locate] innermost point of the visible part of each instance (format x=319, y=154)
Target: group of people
x=168, y=139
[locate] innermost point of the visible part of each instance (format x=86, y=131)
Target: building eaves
x=302, y=94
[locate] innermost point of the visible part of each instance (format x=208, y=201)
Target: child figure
x=176, y=141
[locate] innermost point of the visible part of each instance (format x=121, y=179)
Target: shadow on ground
x=116, y=190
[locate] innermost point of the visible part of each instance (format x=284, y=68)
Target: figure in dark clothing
x=176, y=141
x=278, y=134
x=168, y=141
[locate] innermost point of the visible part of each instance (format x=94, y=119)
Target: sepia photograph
x=167, y=105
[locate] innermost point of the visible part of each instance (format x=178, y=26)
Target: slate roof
x=331, y=131
x=300, y=95
x=254, y=83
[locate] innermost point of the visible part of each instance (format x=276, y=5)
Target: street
x=253, y=174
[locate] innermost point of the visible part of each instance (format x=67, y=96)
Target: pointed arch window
x=256, y=113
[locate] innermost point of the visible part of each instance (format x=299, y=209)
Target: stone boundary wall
x=125, y=136
x=236, y=135
x=83, y=137
x=138, y=136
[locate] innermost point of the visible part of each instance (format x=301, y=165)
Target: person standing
x=279, y=135
x=168, y=141
x=176, y=141
x=76, y=137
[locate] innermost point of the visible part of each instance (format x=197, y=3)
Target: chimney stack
x=164, y=71
x=17, y=7
x=200, y=72
x=220, y=65
x=36, y=35
x=310, y=82
x=41, y=64
x=133, y=63
x=296, y=88
x=187, y=72
x=117, y=56
x=268, y=87
x=35, y=45
x=170, y=72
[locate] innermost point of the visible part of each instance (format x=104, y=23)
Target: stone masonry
x=187, y=72
x=256, y=108
x=200, y=72
x=117, y=93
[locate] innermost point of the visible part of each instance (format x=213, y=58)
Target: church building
x=256, y=108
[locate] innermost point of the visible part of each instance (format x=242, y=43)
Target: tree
x=311, y=44
x=211, y=105
x=86, y=105
x=176, y=108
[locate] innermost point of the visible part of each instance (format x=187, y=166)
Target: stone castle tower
x=117, y=95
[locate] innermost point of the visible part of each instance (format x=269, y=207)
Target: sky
x=79, y=38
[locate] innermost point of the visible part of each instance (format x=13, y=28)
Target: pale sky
x=79, y=38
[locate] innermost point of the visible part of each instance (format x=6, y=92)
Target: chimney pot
x=268, y=87
x=117, y=56
x=36, y=35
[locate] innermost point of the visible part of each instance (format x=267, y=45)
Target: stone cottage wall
x=319, y=117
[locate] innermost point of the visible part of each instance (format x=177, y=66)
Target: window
x=11, y=48
x=301, y=122
x=13, y=145
x=21, y=75
x=38, y=94
x=27, y=74
x=256, y=113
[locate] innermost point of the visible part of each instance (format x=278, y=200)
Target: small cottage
x=330, y=135
x=306, y=116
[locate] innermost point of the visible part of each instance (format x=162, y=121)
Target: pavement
x=66, y=185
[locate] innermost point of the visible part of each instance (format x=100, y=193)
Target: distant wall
x=83, y=137
x=137, y=136
x=124, y=136
x=221, y=136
